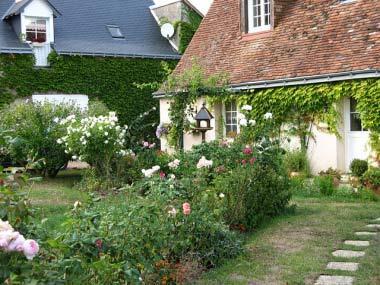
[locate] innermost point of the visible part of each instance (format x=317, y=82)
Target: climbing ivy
x=184, y=89
x=298, y=107
x=112, y=80
x=187, y=28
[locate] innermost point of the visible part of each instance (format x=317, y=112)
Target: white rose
x=243, y=122
x=268, y=116
x=252, y=122
x=247, y=108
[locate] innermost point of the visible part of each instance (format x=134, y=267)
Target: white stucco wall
x=190, y=139
x=80, y=101
x=325, y=150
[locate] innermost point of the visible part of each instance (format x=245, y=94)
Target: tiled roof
x=309, y=38
x=17, y=7
x=82, y=29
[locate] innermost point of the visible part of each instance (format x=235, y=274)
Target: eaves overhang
x=295, y=81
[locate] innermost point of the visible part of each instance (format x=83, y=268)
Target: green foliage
x=371, y=178
x=358, y=167
x=187, y=28
x=186, y=88
x=253, y=193
x=325, y=185
x=334, y=173
x=34, y=129
x=15, y=207
x=111, y=80
x=97, y=108
x=136, y=242
x=297, y=161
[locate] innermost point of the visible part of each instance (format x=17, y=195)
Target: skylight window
x=115, y=32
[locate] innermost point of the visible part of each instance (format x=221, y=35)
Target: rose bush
x=98, y=141
x=32, y=133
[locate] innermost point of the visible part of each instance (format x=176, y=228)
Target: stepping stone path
x=348, y=254
x=345, y=266
x=334, y=280
x=357, y=242
x=366, y=233
x=374, y=226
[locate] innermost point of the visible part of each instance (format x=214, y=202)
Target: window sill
x=256, y=35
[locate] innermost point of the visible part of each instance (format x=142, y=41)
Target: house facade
x=279, y=43
x=70, y=50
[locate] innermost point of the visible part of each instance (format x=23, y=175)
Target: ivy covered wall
x=112, y=80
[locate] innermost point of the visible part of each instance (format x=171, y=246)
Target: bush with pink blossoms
x=13, y=241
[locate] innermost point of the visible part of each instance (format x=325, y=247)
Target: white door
x=357, y=137
x=41, y=53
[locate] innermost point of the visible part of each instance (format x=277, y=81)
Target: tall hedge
x=110, y=79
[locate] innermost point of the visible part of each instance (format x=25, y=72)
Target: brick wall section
x=310, y=37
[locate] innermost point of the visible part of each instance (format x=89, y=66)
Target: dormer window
x=36, y=30
x=259, y=15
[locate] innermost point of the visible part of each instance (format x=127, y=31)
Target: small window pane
x=353, y=104
x=356, y=123
x=115, y=32
x=36, y=30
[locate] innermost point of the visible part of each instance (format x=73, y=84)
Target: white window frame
x=263, y=27
x=225, y=119
x=46, y=28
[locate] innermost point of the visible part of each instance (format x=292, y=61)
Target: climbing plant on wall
x=187, y=28
x=298, y=108
x=185, y=88
x=112, y=80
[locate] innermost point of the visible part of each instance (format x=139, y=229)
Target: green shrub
x=371, y=178
x=325, y=185
x=34, y=129
x=97, y=108
x=358, y=167
x=253, y=193
x=297, y=161
x=332, y=173
x=142, y=238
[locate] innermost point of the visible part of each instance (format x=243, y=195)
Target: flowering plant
x=95, y=140
x=13, y=241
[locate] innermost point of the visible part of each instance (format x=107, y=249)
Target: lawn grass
x=295, y=248
x=292, y=249
x=53, y=197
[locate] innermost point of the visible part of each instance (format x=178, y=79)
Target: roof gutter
x=16, y=50
x=324, y=78
x=296, y=81
x=150, y=56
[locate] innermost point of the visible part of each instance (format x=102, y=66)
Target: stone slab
x=366, y=233
x=335, y=280
x=373, y=226
x=346, y=266
x=357, y=242
x=348, y=253
x=377, y=220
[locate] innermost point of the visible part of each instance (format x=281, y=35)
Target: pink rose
x=244, y=162
x=30, y=249
x=152, y=145
x=162, y=175
x=252, y=160
x=99, y=244
x=16, y=242
x=145, y=144
x=247, y=151
x=186, y=209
